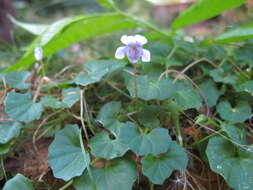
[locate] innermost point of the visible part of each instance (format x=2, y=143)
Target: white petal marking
x=120, y=52
x=140, y=39
x=146, y=56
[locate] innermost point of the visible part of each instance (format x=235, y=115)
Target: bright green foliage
x=71, y=30
x=210, y=92
x=158, y=168
x=238, y=114
x=102, y=146
x=108, y=113
x=219, y=75
x=17, y=183
x=236, y=133
x=235, y=165
x=155, y=142
x=21, y=107
x=149, y=88
x=17, y=79
x=148, y=116
x=117, y=174
x=8, y=131
x=65, y=155
x=70, y=97
x=202, y=10
x=237, y=34
x=95, y=70
x=186, y=96
x=107, y=3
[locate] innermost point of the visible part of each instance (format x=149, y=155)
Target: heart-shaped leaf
x=103, y=147
x=158, y=168
x=17, y=79
x=65, y=155
x=149, y=88
x=236, y=133
x=245, y=87
x=234, y=164
x=219, y=75
x=17, y=183
x=117, y=174
x=108, y=113
x=95, y=70
x=238, y=114
x=8, y=131
x=155, y=142
x=210, y=92
x=21, y=107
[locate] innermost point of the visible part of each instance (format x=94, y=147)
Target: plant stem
x=117, y=89
x=87, y=113
x=2, y=165
x=81, y=116
x=66, y=185
x=169, y=56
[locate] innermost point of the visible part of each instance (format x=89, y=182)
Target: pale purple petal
x=140, y=39
x=38, y=53
x=145, y=56
x=120, y=52
x=134, y=53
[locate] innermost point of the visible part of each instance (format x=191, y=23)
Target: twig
x=81, y=116
x=37, y=90
x=2, y=165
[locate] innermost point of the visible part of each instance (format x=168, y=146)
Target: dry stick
x=194, y=63
x=2, y=165
x=193, y=83
x=40, y=125
x=37, y=90
x=5, y=90
x=81, y=116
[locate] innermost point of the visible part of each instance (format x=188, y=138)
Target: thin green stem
x=66, y=185
x=117, y=89
x=169, y=56
x=87, y=115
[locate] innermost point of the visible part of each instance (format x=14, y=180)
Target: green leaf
x=8, y=131
x=238, y=114
x=149, y=88
x=219, y=75
x=155, y=142
x=65, y=155
x=203, y=10
x=158, y=168
x=108, y=113
x=246, y=87
x=208, y=88
x=234, y=165
x=95, y=70
x=52, y=102
x=148, y=116
x=17, y=183
x=5, y=148
x=67, y=31
x=107, y=3
x=35, y=29
x=102, y=146
x=241, y=33
x=118, y=174
x=21, y=107
x=236, y=133
x=17, y=79
x=186, y=96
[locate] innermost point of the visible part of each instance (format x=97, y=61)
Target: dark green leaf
x=19, y=182
x=65, y=155
x=219, y=75
x=17, y=79
x=8, y=131
x=210, y=92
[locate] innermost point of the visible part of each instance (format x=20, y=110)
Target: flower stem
x=66, y=185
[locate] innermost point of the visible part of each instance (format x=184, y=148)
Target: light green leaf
x=241, y=33
x=148, y=116
x=33, y=28
x=186, y=96
x=21, y=107
x=234, y=165
x=219, y=75
x=102, y=146
x=108, y=113
x=8, y=131
x=210, y=92
x=155, y=142
x=202, y=10
x=95, y=70
x=67, y=31
x=118, y=174
x=17, y=79
x=52, y=102
x=107, y=3
x=238, y=114
x=149, y=88
x=65, y=155
x=17, y=183
x=158, y=168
